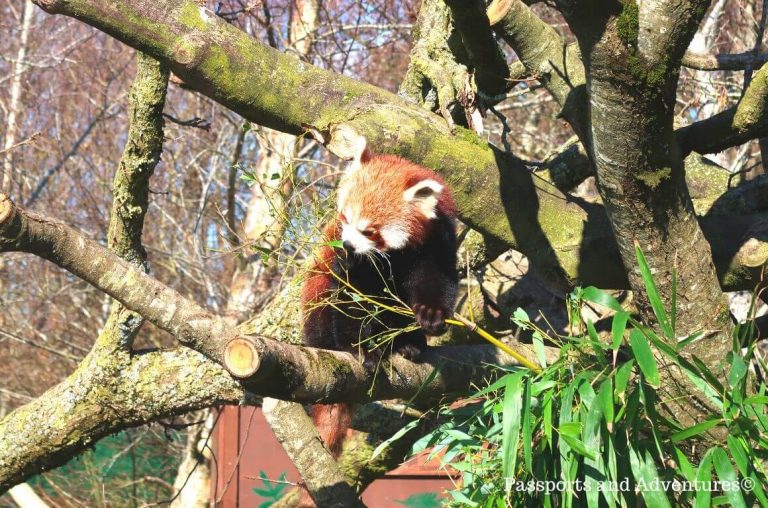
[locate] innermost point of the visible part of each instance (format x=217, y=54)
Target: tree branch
x=97, y=400
x=724, y=62
x=545, y=55
x=737, y=125
x=490, y=68
x=107, y=394
x=496, y=194
x=295, y=431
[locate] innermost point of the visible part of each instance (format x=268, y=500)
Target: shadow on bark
x=515, y=181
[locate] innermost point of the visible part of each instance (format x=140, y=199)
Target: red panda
x=396, y=220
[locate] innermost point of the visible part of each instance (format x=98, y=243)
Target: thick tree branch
x=97, y=400
x=139, y=159
x=296, y=432
x=437, y=73
x=665, y=29
x=545, y=55
x=131, y=192
x=496, y=194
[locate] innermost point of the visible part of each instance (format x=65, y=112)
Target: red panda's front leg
x=430, y=291
x=432, y=284
x=431, y=318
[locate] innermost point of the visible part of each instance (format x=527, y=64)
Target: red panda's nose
x=348, y=245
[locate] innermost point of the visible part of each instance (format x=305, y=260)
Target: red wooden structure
x=244, y=446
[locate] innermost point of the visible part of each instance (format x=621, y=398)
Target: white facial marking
x=395, y=237
x=352, y=233
x=424, y=195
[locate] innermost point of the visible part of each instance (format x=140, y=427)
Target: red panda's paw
x=371, y=359
x=410, y=352
x=431, y=319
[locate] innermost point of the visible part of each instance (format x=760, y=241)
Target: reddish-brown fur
x=319, y=274
x=376, y=190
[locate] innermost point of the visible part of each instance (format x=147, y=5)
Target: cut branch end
x=241, y=358
x=6, y=208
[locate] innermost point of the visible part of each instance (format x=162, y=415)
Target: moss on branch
x=497, y=195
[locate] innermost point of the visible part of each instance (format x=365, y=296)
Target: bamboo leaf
x=725, y=473
x=511, y=423
x=644, y=357
x=694, y=430
x=600, y=297
x=653, y=294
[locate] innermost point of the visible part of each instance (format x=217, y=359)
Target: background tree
x=564, y=104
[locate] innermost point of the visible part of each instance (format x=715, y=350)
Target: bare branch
x=737, y=125
x=724, y=62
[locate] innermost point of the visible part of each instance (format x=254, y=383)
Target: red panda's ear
x=424, y=195
x=362, y=152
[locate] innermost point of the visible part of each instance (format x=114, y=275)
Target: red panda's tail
x=332, y=422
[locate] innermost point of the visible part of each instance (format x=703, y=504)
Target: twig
x=196, y=122
x=23, y=142
x=462, y=321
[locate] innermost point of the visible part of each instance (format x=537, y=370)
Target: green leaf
x=600, y=297
x=520, y=316
x=653, y=293
x=538, y=348
x=511, y=423
x=704, y=477
x=673, y=303
x=618, y=326
x=737, y=373
x=621, y=379
x=578, y=446
x=682, y=344
x=726, y=473
x=397, y=435
x=684, y=465
x=738, y=453
x=695, y=430
x=756, y=400
x=336, y=244
x=644, y=357
x=605, y=402
x=644, y=470
x=594, y=470
x=527, y=427
x=572, y=429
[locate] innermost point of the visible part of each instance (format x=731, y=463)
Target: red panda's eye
x=368, y=232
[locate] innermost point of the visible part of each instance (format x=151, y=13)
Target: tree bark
x=632, y=59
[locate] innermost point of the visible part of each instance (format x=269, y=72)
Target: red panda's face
x=383, y=205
